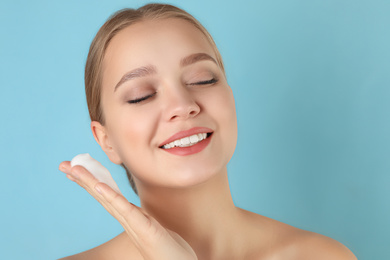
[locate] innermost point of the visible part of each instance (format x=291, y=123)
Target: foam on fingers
x=96, y=169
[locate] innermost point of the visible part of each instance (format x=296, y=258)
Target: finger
x=83, y=176
x=65, y=167
x=134, y=221
x=132, y=218
x=86, y=180
x=70, y=177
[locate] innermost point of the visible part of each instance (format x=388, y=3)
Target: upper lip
x=186, y=133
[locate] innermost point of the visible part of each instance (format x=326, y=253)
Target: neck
x=204, y=215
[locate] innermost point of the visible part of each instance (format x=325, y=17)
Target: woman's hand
x=153, y=240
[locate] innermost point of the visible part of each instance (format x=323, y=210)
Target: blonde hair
x=117, y=22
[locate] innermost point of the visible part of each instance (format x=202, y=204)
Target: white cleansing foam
x=96, y=169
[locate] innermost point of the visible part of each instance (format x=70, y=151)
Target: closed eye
x=205, y=82
x=138, y=100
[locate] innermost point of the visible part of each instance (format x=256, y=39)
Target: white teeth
x=194, y=138
x=186, y=141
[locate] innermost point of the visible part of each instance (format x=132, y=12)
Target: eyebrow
x=149, y=70
x=136, y=73
x=195, y=58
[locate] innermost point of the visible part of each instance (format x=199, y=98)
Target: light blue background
x=312, y=86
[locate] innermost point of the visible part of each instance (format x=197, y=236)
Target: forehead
x=156, y=42
x=144, y=34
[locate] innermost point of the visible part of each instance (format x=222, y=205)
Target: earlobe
x=101, y=136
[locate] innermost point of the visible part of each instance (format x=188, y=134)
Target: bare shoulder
x=282, y=241
x=118, y=248
x=311, y=245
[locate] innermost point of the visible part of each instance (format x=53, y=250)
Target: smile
x=186, y=141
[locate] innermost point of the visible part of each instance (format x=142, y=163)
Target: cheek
x=225, y=107
x=133, y=134
x=224, y=110
x=230, y=118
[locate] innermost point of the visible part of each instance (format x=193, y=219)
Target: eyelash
x=138, y=100
x=205, y=82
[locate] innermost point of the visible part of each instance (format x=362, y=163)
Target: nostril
x=183, y=108
x=173, y=117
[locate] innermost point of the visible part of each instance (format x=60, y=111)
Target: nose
x=180, y=104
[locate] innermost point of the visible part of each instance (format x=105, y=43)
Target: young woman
x=160, y=106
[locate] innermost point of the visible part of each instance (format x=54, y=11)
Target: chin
x=193, y=176
x=187, y=180
x=186, y=173
x=181, y=177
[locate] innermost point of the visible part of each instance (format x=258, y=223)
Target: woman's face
x=161, y=84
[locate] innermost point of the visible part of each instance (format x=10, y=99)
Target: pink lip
x=182, y=134
x=193, y=149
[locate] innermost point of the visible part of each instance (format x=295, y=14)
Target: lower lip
x=196, y=148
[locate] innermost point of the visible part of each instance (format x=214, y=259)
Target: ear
x=101, y=136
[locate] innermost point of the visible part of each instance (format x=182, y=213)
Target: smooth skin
x=187, y=211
